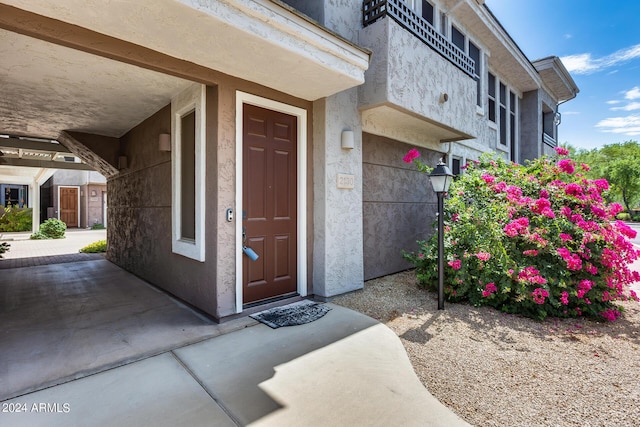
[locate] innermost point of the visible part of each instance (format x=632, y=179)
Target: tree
x=620, y=165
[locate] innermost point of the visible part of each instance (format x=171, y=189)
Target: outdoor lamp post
x=441, y=178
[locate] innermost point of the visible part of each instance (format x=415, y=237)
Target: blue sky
x=599, y=43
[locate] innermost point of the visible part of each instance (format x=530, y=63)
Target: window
x=491, y=92
x=512, y=124
x=188, y=172
x=427, y=11
x=474, y=53
x=443, y=24
x=455, y=165
x=503, y=114
x=458, y=39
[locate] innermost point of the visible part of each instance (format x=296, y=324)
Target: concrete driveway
x=88, y=344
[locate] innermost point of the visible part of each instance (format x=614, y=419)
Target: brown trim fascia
x=75, y=37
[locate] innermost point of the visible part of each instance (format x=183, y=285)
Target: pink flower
x=561, y=151
x=483, y=256
x=489, y=288
x=539, y=295
x=530, y=252
x=544, y=194
x=601, y=183
x=564, y=298
x=615, y=209
x=566, y=165
x=566, y=211
x=455, y=264
x=610, y=314
x=585, y=167
x=625, y=230
x=488, y=178
x=411, y=155
x=565, y=237
x=516, y=226
x=573, y=189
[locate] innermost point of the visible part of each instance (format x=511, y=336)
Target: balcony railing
x=373, y=10
x=549, y=140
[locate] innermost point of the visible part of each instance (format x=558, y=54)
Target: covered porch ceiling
x=102, y=68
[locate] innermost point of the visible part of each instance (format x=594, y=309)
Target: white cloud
x=584, y=63
x=613, y=102
x=568, y=36
x=633, y=93
x=629, y=125
x=629, y=107
x=570, y=113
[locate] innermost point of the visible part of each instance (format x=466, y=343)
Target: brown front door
x=69, y=206
x=269, y=188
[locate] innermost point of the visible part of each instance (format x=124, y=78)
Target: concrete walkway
x=24, y=252
x=91, y=345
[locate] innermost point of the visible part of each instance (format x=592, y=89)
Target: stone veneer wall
x=399, y=204
x=139, y=215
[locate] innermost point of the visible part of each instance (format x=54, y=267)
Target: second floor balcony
x=420, y=88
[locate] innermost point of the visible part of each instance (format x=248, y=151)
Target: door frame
x=301, y=115
x=69, y=186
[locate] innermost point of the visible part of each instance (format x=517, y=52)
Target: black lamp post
x=441, y=178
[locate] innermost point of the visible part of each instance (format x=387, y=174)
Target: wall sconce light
x=348, y=140
x=164, y=142
x=93, y=193
x=122, y=162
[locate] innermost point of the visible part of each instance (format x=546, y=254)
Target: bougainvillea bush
x=535, y=239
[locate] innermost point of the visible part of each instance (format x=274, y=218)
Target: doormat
x=294, y=314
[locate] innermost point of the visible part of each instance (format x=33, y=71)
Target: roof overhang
x=256, y=40
x=556, y=78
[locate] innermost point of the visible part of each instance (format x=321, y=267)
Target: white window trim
x=69, y=186
x=193, y=98
x=301, y=114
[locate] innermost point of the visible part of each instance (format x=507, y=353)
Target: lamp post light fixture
x=441, y=178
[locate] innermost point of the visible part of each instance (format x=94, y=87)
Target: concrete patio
x=86, y=343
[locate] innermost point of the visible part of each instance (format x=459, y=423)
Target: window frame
x=193, y=99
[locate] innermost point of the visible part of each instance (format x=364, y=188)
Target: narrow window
x=455, y=166
x=503, y=114
x=188, y=172
x=188, y=176
x=474, y=53
x=512, y=124
x=443, y=24
x=491, y=92
x=457, y=38
x=427, y=11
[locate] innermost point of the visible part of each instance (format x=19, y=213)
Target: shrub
x=15, y=219
x=4, y=247
x=97, y=226
x=95, y=247
x=52, y=228
x=624, y=216
x=535, y=240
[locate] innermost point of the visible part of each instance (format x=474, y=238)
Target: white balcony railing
x=373, y=10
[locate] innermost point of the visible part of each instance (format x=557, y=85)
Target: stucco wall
x=398, y=204
x=409, y=74
x=139, y=213
x=338, y=259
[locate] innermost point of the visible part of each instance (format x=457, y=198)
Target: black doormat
x=294, y=314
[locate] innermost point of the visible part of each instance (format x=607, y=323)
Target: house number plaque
x=346, y=181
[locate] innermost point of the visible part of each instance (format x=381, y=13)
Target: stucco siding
x=412, y=76
x=398, y=204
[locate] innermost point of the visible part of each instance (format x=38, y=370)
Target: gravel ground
x=494, y=369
